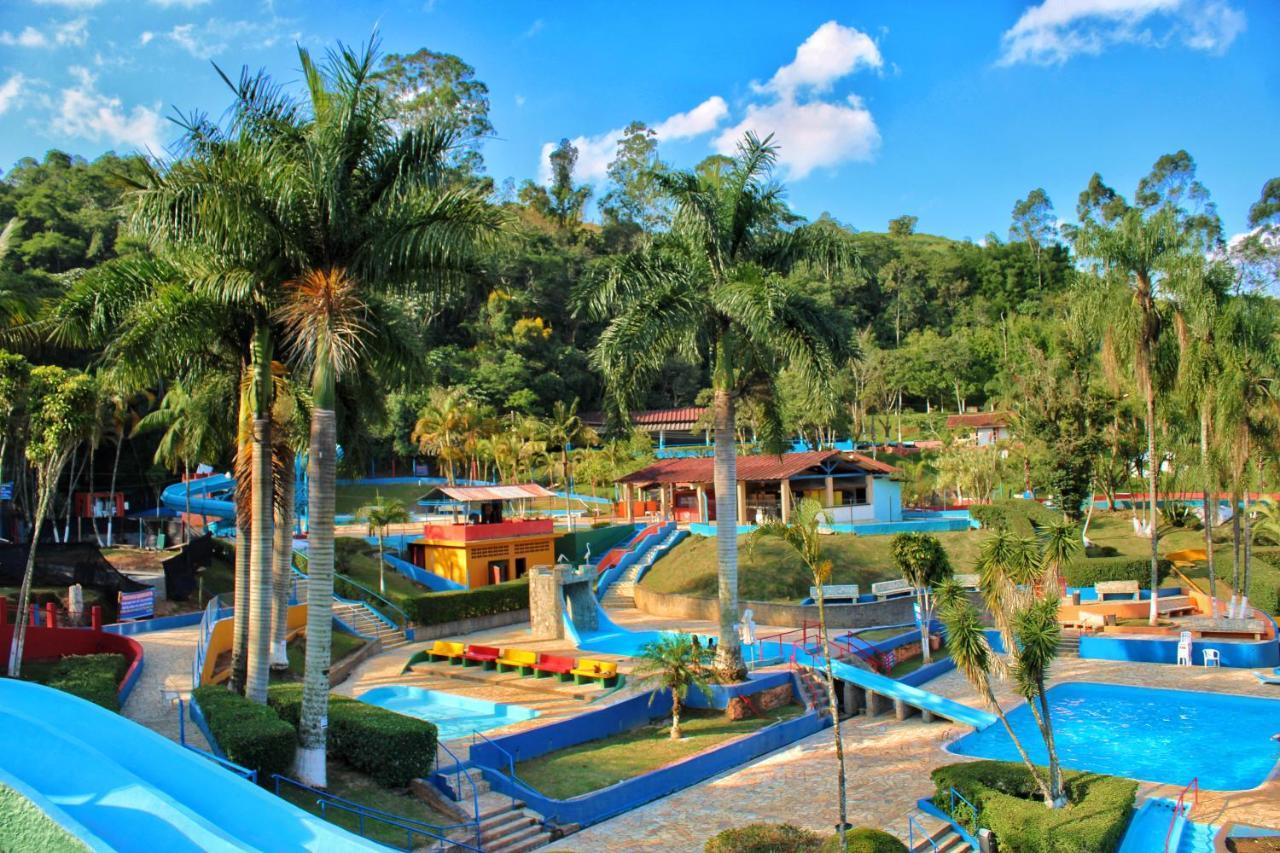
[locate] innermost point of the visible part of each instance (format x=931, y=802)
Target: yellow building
x=480, y=547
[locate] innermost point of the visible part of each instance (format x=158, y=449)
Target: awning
x=523, y=491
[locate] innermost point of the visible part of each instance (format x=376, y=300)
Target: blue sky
x=948, y=111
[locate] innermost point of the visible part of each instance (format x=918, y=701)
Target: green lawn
x=769, y=571
x=600, y=763
x=342, y=645
x=350, y=785
x=912, y=664
x=359, y=559
x=349, y=499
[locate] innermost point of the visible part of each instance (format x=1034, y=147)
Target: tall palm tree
x=802, y=536
x=441, y=427
x=1133, y=252
x=712, y=291
x=380, y=515
x=563, y=429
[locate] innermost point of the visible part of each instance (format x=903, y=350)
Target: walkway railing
x=213, y=612
x=511, y=759
x=378, y=604
x=367, y=819
x=1181, y=809
x=461, y=772
x=956, y=795
x=913, y=826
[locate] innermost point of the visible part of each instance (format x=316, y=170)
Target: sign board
x=138, y=605
x=6, y=491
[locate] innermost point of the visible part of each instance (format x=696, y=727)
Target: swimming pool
x=1153, y=735
x=454, y=716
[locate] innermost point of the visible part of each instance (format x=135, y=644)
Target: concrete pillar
x=742, y=503
x=628, y=500
x=852, y=698
x=784, y=488
x=874, y=704
x=662, y=501
x=927, y=716
x=702, y=503
x=901, y=710
x=830, y=484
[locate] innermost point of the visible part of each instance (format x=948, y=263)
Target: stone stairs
x=621, y=592
x=1069, y=644
x=506, y=825
x=815, y=691
x=358, y=617
x=943, y=840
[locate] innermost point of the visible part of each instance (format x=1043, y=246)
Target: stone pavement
x=166, y=667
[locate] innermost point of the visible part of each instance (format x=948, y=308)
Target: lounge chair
x=549, y=665
x=517, y=659
x=444, y=650
x=485, y=656
x=1267, y=679
x=606, y=672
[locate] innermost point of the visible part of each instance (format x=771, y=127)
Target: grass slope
x=350, y=785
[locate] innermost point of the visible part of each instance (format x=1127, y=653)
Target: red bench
x=549, y=665
x=486, y=656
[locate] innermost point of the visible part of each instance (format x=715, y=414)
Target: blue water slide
x=213, y=496
x=117, y=785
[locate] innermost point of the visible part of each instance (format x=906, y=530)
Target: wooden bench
x=606, y=672
x=444, y=650
x=831, y=592
x=485, y=656
x=549, y=665
x=517, y=659
x=890, y=589
x=1127, y=588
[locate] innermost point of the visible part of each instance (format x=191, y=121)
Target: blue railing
x=511, y=759
x=239, y=770
x=213, y=613
x=376, y=603
x=460, y=772
x=367, y=818
x=956, y=795
x=913, y=826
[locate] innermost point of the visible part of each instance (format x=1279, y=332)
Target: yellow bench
x=444, y=650
x=606, y=672
x=517, y=659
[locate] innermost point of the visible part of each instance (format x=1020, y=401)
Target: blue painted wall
x=886, y=499
x=1234, y=654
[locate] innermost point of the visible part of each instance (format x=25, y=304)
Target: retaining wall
x=863, y=615
x=48, y=643
x=469, y=626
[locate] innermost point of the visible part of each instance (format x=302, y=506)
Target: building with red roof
x=983, y=427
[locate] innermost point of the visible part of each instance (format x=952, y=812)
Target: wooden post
x=784, y=488
x=662, y=501
x=742, y=503
x=830, y=483
x=626, y=497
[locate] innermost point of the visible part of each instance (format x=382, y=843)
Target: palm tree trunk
x=240, y=615
x=1022, y=752
x=44, y=489
x=382, y=565
x=1153, y=470
x=71, y=484
x=1235, y=545
x=186, y=511
x=261, y=587
x=1210, y=508
x=1040, y=710
x=282, y=564
x=834, y=704
x=922, y=601
x=675, y=716
x=1248, y=555
x=321, y=476
x=115, y=468
x=728, y=653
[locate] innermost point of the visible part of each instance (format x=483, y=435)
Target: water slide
x=120, y=786
x=213, y=496
x=611, y=638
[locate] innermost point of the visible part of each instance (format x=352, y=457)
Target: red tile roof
x=519, y=492
x=751, y=468
x=652, y=420
x=978, y=420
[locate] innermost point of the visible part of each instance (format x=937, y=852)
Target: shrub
x=1096, y=550
x=437, y=608
x=1091, y=571
x=1015, y=515
x=92, y=677
x=864, y=839
x=765, y=838
x=1009, y=804
x=1264, y=582
x=390, y=748
x=249, y=734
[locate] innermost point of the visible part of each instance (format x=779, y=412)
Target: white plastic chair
x=1212, y=658
x=1184, y=649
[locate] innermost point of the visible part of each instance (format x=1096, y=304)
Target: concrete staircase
x=506, y=826
x=943, y=840
x=815, y=691
x=359, y=617
x=621, y=593
x=1069, y=644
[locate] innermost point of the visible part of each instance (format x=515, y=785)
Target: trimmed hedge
x=1009, y=804
x=437, y=608
x=390, y=748
x=1015, y=515
x=93, y=677
x=1264, y=582
x=249, y=734
x=786, y=838
x=1091, y=571
x=864, y=839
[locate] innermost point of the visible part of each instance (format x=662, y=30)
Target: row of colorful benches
x=536, y=664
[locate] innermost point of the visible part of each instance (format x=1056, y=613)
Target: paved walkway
x=166, y=668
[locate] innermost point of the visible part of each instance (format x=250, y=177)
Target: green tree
x=924, y=564
x=678, y=663
x=713, y=292
x=62, y=407
x=1035, y=224
x=903, y=226
x=803, y=535
x=567, y=200
x=635, y=195
x=379, y=516
x=15, y=378
x=429, y=88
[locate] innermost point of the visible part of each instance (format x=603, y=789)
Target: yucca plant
x=677, y=663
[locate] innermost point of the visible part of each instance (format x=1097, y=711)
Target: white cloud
x=70, y=4
x=215, y=35
x=29, y=37
x=595, y=153
x=703, y=118
x=74, y=33
x=534, y=29
x=178, y=4
x=146, y=37
x=811, y=135
x=831, y=52
x=9, y=92
x=520, y=99
x=1056, y=30
x=85, y=112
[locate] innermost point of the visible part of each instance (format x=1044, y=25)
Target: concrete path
x=166, y=670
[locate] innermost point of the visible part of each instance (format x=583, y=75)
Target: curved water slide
x=213, y=496
x=117, y=785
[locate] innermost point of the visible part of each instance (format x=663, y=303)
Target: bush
x=864, y=839
x=1016, y=515
x=1264, y=582
x=765, y=838
x=92, y=677
x=1091, y=571
x=1101, y=551
x=437, y=608
x=249, y=734
x=1009, y=804
x=390, y=748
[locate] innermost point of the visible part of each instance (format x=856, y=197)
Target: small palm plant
x=380, y=515
x=924, y=564
x=676, y=662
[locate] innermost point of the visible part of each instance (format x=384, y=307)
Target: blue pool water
x=454, y=716
x=1168, y=736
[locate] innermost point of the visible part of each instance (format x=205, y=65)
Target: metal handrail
x=475, y=792
x=912, y=826
x=956, y=795
x=239, y=770
x=347, y=579
x=511, y=759
x=1181, y=809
